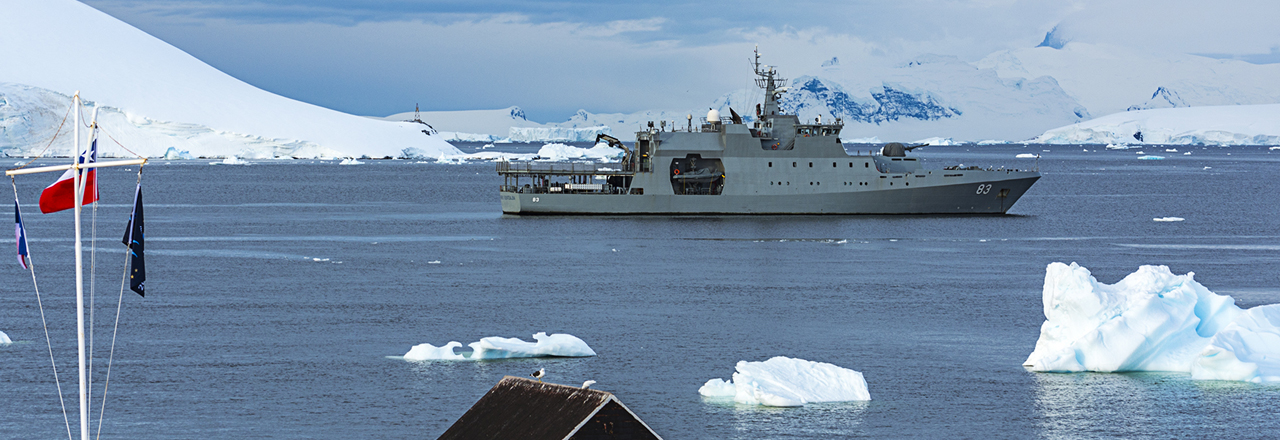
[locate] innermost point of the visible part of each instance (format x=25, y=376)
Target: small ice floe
x=1117, y=147
x=1153, y=320
x=1168, y=219
x=1208, y=168
x=319, y=259
x=434, y=262
x=4, y=339
x=1170, y=150
x=1187, y=153
x=1028, y=156
x=1151, y=158
x=494, y=347
x=350, y=161
x=230, y=160
x=784, y=381
x=842, y=241
x=1274, y=148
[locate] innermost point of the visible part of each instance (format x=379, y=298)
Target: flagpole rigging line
x=106, y=383
x=40, y=303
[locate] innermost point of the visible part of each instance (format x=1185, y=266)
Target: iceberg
x=788, y=382
x=230, y=160
x=173, y=154
x=494, y=347
x=1027, y=156
x=558, y=134
x=1168, y=219
x=1152, y=320
x=1151, y=158
x=4, y=339
x=350, y=161
x=561, y=152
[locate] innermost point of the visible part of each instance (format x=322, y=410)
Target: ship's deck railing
x=564, y=168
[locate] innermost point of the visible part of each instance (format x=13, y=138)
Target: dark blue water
x=277, y=291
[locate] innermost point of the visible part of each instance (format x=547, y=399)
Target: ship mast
x=767, y=78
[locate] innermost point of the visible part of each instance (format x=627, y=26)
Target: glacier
x=152, y=97
x=1152, y=320
x=1207, y=125
x=788, y=382
x=494, y=347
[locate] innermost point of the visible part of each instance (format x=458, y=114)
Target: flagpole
x=78, y=197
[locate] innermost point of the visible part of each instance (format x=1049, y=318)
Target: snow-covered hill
x=152, y=96
x=1209, y=125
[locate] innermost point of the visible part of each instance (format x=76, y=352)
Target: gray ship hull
x=955, y=198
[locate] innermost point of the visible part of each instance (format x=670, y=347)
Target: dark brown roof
x=521, y=408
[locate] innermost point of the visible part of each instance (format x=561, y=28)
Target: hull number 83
x=983, y=188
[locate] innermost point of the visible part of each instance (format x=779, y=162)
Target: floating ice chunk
x=1208, y=168
x=561, y=152
x=434, y=262
x=556, y=345
x=1247, y=349
x=1152, y=320
x=350, y=161
x=562, y=345
x=428, y=352
x=230, y=160
x=1151, y=158
x=1187, y=153
x=1026, y=156
x=1274, y=148
x=1117, y=147
x=1168, y=219
x=1170, y=150
x=783, y=381
x=173, y=154
x=4, y=339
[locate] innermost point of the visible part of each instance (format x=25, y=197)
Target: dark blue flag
x=21, y=234
x=133, y=237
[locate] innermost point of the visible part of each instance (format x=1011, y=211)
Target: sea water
x=281, y=293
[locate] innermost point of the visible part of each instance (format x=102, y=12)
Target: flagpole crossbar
x=114, y=163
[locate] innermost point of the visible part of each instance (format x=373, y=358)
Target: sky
x=552, y=58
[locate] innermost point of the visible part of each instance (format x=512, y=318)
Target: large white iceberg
x=1152, y=320
x=4, y=339
x=494, y=347
x=1209, y=125
x=783, y=381
x=561, y=152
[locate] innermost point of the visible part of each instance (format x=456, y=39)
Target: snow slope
x=1106, y=79
x=1210, y=125
x=154, y=96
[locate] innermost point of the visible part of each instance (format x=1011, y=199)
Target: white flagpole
x=78, y=196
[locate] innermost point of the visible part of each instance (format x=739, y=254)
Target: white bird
x=539, y=374
x=587, y=384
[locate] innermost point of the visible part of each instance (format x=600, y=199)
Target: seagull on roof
x=539, y=374
x=587, y=384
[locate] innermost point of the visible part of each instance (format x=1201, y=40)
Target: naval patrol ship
x=777, y=164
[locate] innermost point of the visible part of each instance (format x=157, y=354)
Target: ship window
x=833, y=164
x=810, y=164
x=770, y=164
x=793, y=164
x=866, y=164
x=850, y=164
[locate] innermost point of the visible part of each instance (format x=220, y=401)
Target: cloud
x=381, y=57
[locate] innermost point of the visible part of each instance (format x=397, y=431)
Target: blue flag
x=133, y=238
x=21, y=234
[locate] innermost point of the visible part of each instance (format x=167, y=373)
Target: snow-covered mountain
x=1207, y=125
x=1107, y=79
x=152, y=96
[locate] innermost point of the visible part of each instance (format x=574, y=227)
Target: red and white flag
x=60, y=195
